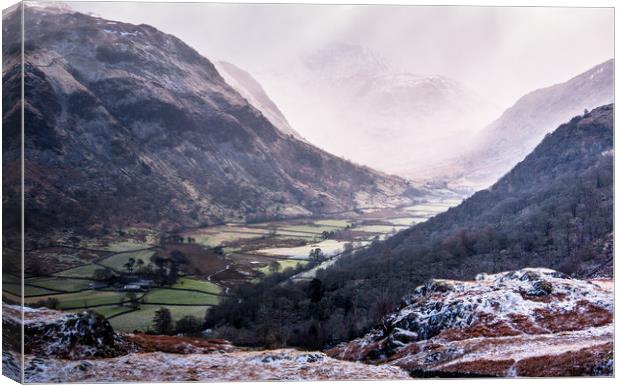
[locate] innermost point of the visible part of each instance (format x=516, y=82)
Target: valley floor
x=220, y=257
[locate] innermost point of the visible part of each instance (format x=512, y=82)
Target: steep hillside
x=519, y=129
x=554, y=209
x=250, y=89
x=402, y=122
x=126, y=125
x=526, y=323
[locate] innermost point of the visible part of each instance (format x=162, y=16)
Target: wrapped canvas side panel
x=12, y=193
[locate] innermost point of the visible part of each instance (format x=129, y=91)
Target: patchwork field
x=214, y=260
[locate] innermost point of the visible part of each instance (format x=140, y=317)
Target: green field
x=84, y=271
x=60, y=284
x=82, y=299
x=213, y=240
x=117, y=261
x=109, y=311
x=143, y=319
x=128, y=245
x=173, y=297
x=29, y=291
x=195, y=284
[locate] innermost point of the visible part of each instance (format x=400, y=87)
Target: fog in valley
x=400, y=89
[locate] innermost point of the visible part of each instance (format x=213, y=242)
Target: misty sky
x=501, y=52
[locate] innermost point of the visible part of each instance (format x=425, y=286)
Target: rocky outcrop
x=62, y=347
x=50, y=333
x=502, y=324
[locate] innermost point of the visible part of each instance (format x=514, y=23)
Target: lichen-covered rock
x=496, y=326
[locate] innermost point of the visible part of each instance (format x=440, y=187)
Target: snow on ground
x=82, y=347
x=16, y=314
x=499, y=324
x=284, y=364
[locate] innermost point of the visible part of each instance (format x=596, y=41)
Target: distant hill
x=251, y=89
x=128, y=126
x=401, y=122
x=507, y=140
x=554, y=210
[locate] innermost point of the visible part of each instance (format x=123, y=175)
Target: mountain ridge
x=114, y=108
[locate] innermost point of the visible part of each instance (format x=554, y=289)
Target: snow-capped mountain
x=357, y=105
x=507, y=140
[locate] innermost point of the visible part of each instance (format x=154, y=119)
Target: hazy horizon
x=500, y=52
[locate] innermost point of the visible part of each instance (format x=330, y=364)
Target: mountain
x=128, y=126
x=525, y=323
x=507, y=140
x=402, y=122
x=554, y=210
x=250, y=89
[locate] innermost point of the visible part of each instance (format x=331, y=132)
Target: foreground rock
x=531, y=322
x=68, y=336
x=285, y=364
x=63, y=347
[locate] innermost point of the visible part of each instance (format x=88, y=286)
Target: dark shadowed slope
x=553, y=209
x=127, y=125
